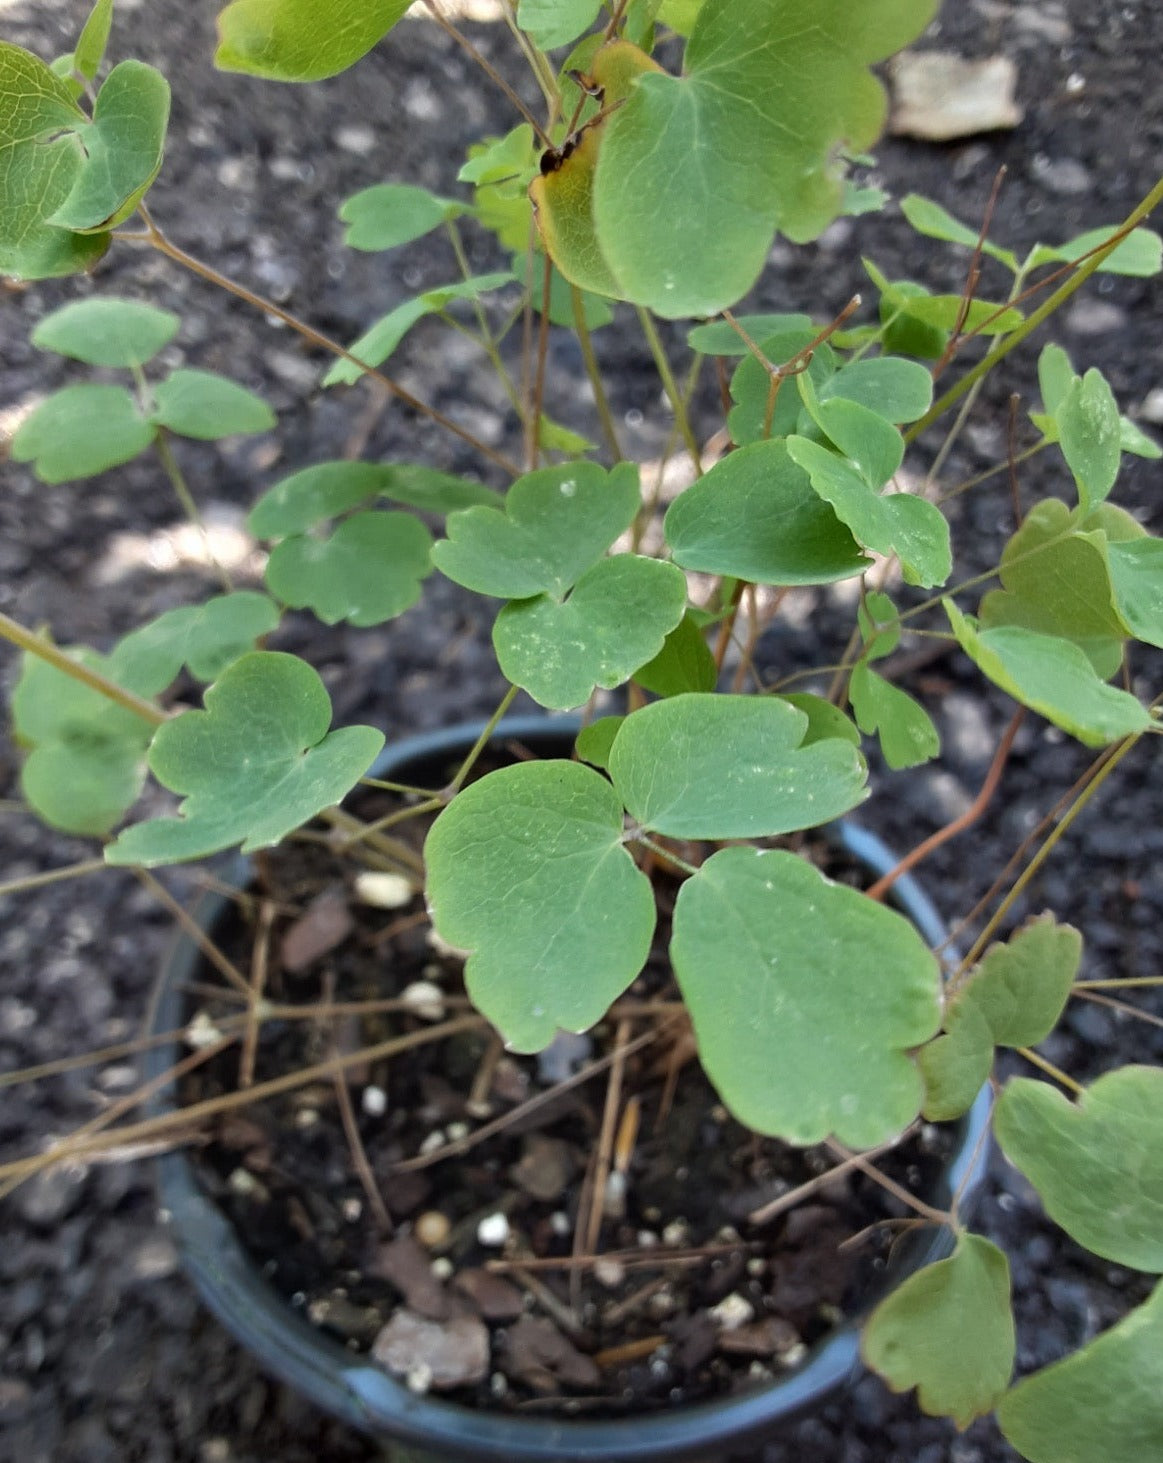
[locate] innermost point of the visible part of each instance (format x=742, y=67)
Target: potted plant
x=818, y=1012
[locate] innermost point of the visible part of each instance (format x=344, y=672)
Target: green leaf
x=896, y=389
x=570, y=925
x=684, y=663
x=594, y=741
x=718, y=766
x=86, y=761
x=368, y=571
x=1055, y=377
x=376, y=344
x=956, y=1064
x=530, y=271
x=94, y=37
x=1134, y=439
x=556, y=523
x=948, y=1330
x=720, y=338
x=617, y=616
x=256, y=764
x=891, y=523
x=1140, y=253
x=123, y=146
x=298, y=40
x=772, y=959
x=1052, y=677
x=391, y=214
x=825, y=721
x=40, y=158
x=556, y=438
x=903, y=332
x=553, y=23
x=746, y=137
x=206, y=638
x=1104, y=1404
x=315, y=494
x=202, y=405
x=756, y=516
x=1136, y=576
x=80, y=431
x=874, y=446
x=500, y=170
x=1089, y=431
x=1056, y=580
x=906, y=731
x=934, y=222
x=1021, y=987
x=104, y=331
x=1094, y=1162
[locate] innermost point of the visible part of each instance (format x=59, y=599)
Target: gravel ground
x=104, y=1351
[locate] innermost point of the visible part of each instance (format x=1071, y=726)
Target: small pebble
x=676, y=1232
x=559, y=1224
x=732, y=1312
x=306, y=1118
x=457, y=1131
x=201, y=1032
x=374, y=1101
x=442, y=1268
x=383, y=891
x=424, y=999
x=609, y=1273
x=493, y=1230
x=434, y=1140
x=351, y=1209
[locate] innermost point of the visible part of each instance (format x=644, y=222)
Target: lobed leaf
x=1095, y=1162
x=1053, y=677
x=719, y=766
x=720, y=338
x=956, y=1064
x=948, y=1330
x=1136, y=576
x=368, y=571
x=123, y=148
x=1021, y=987
x=256, y=764
x=1140, y=254
x=772, y=959
x=206, y=638
x=907, y=735
x=390, y=214
x=555, y=524
x=756, y=516
x=617, y=616
x=1104, y=1404
x=314, y=494
x=80, y=431
x=684, y=663
x=203, y=405
x=594, y=741
x=105, y=331
x=299, y=40
x=571, y=924
x=553, y=23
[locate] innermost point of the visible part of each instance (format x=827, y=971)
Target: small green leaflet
x=1053, y=677
x=594, y=741
x=256, y=764
x=105, y=331
x=825, y=721
x=86, y=755
x=1096, y=1163
x=368, y=571
x=553, y=437
x=906, y=731
x=1140, y=254
x=871, y=442
x=1089, y=434
x=1136, y=572
x=934, y=222
x=314, y=494
x=755, y=516
x=1104, y=1404
x=500, y=170
x=123, y=149
x=719, y=766
x=299, y=40
x=555, y=524
x=955, y=1064
x=948, y=1331
x=617, y=615
x=772, y=959
x=390, y=214
x=1022, y=986
x=553, y=23
x=571, y=924
x=80, y=431
x=720, y=338
x=379, y=342
x=94, y=37
x=206, y=638
x=898, y=390
x=684, y=663
x=206, y=406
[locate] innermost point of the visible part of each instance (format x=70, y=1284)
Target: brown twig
x=593, y=1227
x=767, y=1212
x=972, y=278
x=890, y=1186
x=260, y=962
x=194, y=930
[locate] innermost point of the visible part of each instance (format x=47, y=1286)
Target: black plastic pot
x=360, y=1394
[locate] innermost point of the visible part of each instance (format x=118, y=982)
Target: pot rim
x=369, y=1399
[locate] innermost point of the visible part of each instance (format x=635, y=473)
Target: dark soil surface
x=105, y=1354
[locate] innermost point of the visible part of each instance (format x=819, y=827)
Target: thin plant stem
x=396, y=852
x=890, y=1186
x=182, y=490
x=165, y=246
x=44, y=649
x=960, y=823
x=593, y=1227
x=1015, y=337
x=260, y=965
x=1123, y=1007
x=542, y=71
x=593, y=372
x=194, y=930
x=1039, y=1061
x=768, y=1212
x=401, y=815
x=665, y=854
x=489, y=70
x=52, y=876
x=1124, y=983
x=537, y=393
x=972, y=276
x=103, y=1054
x=670, y=386
x=481, y=742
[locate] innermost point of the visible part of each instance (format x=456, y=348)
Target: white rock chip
x=938, y=95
